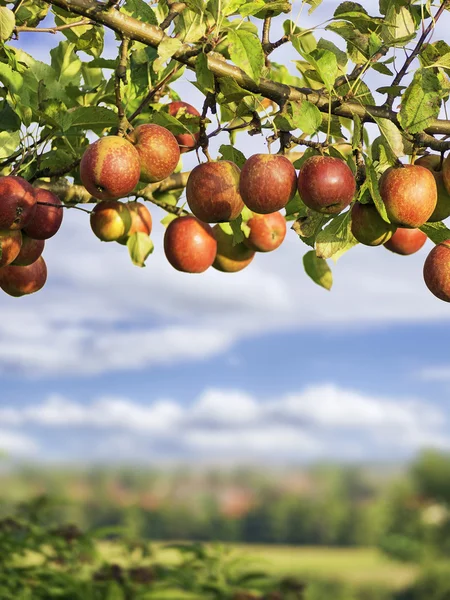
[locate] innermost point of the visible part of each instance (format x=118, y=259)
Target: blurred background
x=253, y=408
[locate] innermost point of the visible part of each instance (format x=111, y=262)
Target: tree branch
x=175, y=9
x=426, y=32
x=152, y=93
x=121, y=77
x=152, y=36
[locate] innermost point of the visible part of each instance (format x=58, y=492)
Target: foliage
x=50, y=111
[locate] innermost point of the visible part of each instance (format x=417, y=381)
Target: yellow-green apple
x=436, y=271
x=10, y=244
x=368, y=227
x=17, y=202
x=230, y=258
x=186, y=141
x=409, y=194
x=326, y=184
x=110, y=168
x=432, y=162
x=406, y=241
x=158, y=151
x=47, y=217
x=189, y=245
x=212, y=192
x=141, y=220
x=268, y=182
x=30, y=251
x=110, y=220
x=267, y=232
x=20, y=281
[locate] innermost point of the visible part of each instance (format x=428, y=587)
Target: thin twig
x=55, y=29
x=48, y=172
x=17, y=5
x=64, y=206
x=121, y=77
x=152, y=93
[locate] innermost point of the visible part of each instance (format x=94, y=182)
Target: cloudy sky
x=111, y=362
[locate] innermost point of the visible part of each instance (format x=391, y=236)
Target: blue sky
x=110, y=362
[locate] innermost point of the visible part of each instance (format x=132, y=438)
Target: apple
x=212, y=192
x=158, y=151
x=268, y=182
x=19, y=281
x=409, y=194
x=17, y=202
x=110, y=168
x=368, y=227
x=436, y=271
x=267, y=232
x=46, y=220
x=406, y=241
x=10, y=244
x=110, y=220
x=326, y=184
x=30, y=251
x=432, y=162
x=230, y=258
x=141, y=220
x=190, y=245
x=186, y=141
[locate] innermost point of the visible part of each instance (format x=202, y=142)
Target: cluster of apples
x=28, y=217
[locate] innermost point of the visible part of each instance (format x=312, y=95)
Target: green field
x=358, y=566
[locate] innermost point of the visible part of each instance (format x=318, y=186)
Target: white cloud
x=17, y=444
x=437, y=374
x=324, y=421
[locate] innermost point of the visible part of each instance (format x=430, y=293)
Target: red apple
x=19, y=281
x=10, y=244
x=409, y=194
x=158, y=150
x=141, y=220
x=268, y=182
x=110, y=220
x=189, y=245
x=46, y=220
x=326, y=184
x=110, y=168
x=186, y=141
x=212, y=192
x=436, y=271
x=368, y=227
x=17, y=202
x=406, y=241
x=432, y=162
x=30, y=251
x=267, y=232
x=230, y=258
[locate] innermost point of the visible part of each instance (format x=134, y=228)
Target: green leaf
x=437, y=232
x=232, y=92
x=205, y=78
x=336, y=238
x=92, y=117
x=171, y=123
x=166, y=49
x=140, y=10
x=302, y=39
x=140, y=246
x=421, y=101
x=307, y=117
x=8, y=142
x=32, y=12
x=395, y=139
x=190, y=26
x=66, y=63
x=7, y=23
x=318, y=269
x=233, y=154
x=12, y=80
x=399, y=27
x=313, y=4
x=236, y=227
x=9, y=121
x=357, y=131
x=86, y=37
x=341, y=56
x=372, y=184
x=274, y=7
x=246, y=52
x=325, y=63
x=251, y=8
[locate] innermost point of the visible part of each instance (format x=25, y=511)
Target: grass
x=356, y=566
